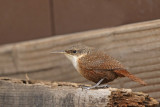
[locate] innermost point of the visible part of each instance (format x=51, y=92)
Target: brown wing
x=101, y=62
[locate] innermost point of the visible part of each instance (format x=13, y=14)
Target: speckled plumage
x=95, y=65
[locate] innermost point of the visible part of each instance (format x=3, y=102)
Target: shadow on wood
x=15, y=92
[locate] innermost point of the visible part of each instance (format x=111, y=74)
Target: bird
x=96, y=66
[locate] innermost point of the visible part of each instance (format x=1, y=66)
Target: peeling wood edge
x=39, y=82
x=118, y=97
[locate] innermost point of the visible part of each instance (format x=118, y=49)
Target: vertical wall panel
x=75, y=16
x=24, y=20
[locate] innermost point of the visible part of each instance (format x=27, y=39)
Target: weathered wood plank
x=137, y=46
x=16, y=93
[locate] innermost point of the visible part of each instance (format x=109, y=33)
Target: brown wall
x=74, y=16
x=24, y=20
x=30, y=19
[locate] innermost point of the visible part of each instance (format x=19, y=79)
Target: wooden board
x=15, y=93
x=137, y=46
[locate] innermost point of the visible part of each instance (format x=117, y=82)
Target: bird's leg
x=97, y=85
x=103, y=86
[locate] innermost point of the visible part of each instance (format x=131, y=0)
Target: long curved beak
x=58, y=52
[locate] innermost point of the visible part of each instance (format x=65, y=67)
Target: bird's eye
x=74, y=51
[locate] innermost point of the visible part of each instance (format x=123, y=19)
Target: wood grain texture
x=137, y=46
x=15, y=93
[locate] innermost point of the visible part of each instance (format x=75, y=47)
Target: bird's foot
x=95, y=86
x=103, y=86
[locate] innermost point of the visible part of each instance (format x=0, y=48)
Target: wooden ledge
x=16, y=92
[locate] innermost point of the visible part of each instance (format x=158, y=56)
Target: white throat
x=74, y=60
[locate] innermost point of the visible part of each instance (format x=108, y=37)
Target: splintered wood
x=16, y=93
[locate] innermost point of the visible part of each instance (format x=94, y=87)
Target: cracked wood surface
x=137, y=46
x=16, y=92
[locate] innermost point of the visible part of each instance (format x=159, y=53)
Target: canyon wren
x=96, y=65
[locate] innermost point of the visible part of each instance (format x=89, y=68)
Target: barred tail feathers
x=127, y=74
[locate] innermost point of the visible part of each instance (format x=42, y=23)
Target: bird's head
x=76, y=50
